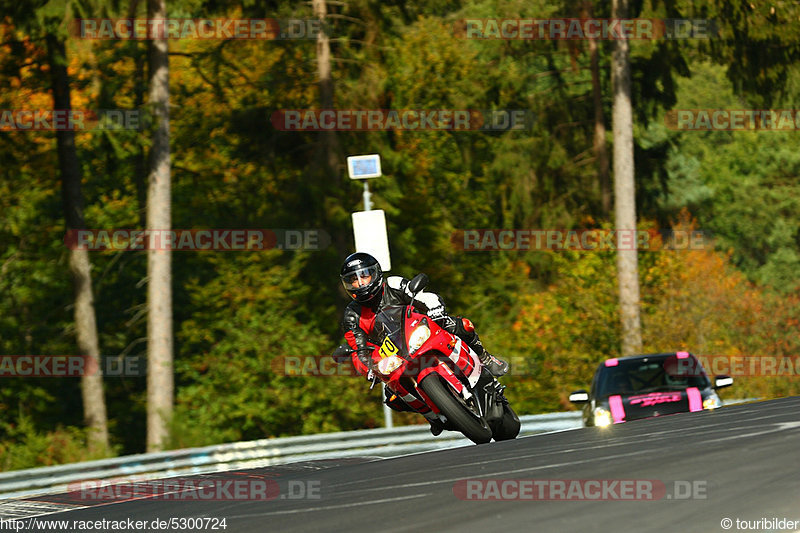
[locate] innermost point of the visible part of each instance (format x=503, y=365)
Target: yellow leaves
x=700, y=303
x=691, y=300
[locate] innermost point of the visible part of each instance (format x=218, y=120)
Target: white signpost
x=369, y=226
x=369, y=230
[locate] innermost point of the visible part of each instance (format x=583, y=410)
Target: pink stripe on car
x=617, y=411
x=695, y=400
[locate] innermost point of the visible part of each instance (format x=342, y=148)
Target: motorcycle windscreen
x=389, y=324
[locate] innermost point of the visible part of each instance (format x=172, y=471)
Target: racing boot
x=464, y=328
x=496, y=366
x=436, y=425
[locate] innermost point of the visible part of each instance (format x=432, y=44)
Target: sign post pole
x=369, y=228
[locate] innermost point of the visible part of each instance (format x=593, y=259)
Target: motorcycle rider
x=363, y=279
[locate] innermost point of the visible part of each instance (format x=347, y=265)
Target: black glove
x=342, y=353
x=365, y=356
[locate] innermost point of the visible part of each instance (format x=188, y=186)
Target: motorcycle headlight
x=712, y=402
x=387, y=365
x=602, y=417
x=418, y=337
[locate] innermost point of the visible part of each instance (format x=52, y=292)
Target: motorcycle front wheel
x=457, y=413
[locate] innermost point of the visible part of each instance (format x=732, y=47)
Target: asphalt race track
x=739, y=462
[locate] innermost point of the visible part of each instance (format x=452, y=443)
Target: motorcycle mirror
x=418, y=282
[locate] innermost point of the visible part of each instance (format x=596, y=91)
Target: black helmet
x=362, y=277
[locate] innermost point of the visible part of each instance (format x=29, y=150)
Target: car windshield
x=651, y=374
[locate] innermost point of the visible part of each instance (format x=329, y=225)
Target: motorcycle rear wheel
x=508, y=427
x=474, y=428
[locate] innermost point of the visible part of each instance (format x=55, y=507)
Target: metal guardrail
x=378, y=443
x=381, y=442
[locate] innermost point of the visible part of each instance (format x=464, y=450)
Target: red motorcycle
x=435, y=373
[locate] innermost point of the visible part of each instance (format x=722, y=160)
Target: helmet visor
x=360, y=278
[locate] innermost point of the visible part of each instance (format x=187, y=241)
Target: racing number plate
x=388, y=348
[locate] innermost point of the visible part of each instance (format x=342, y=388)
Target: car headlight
x=602, y=417
x=387, y=365
x=712, y=402
x=418, y=337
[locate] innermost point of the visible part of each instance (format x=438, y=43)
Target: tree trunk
x=160, y=383
x=140, y=169
x=624, y=192
x=94, y=405
x=329, y=140
x=600, y=151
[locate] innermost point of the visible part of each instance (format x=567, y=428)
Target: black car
x=644, y=386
